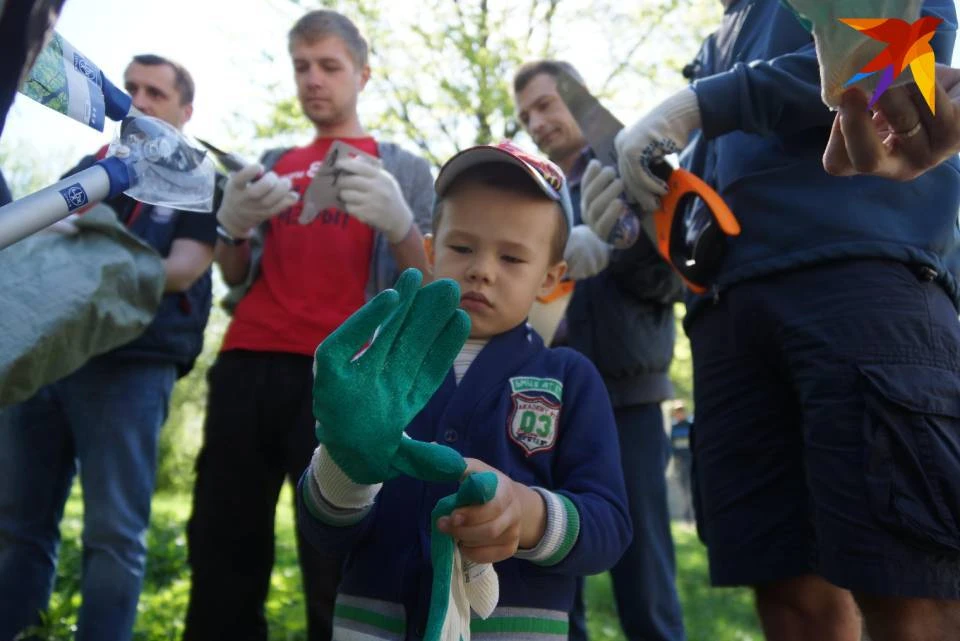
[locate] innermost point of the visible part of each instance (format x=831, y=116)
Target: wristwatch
x=225, y=236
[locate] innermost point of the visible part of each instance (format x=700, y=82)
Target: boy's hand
x=364, y=396
x=514, y=518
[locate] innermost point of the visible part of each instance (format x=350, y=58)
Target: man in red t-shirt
x=301, y=277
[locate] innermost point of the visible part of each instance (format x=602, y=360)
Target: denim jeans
x=104, y=419
x=644, y=579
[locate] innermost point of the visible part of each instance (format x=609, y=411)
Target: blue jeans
x=106, y=419
x=644, y=579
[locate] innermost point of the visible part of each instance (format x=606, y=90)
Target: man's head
x=161, y=88
x=542, y=112
x=499, y=229
x=678, y=411
x=329, y=66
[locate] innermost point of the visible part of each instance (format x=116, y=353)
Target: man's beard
x=329, y=117
x=563, y=151
x=326, y=120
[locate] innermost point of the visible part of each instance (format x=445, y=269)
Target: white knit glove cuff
x=336, y=487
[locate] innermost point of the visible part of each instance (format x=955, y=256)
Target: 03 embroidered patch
x=533, y=423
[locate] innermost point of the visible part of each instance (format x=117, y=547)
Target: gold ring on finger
x=913, y=131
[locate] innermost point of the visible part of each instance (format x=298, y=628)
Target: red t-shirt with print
x=312, y=276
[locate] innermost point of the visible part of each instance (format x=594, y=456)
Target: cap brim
x=480, y=155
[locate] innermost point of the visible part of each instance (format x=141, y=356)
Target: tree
x=441, y=75
x=681, y=369
x=25, y=173
x=442, y=81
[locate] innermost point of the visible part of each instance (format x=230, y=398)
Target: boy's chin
x=479, y=329
x=484, y=328
x=479, y=333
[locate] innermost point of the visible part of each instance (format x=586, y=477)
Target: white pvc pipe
x=42, y=208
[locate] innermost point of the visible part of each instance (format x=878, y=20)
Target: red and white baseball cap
x=544, y=173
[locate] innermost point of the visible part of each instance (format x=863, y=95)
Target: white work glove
x=371, y=194
x=603, y=209
x=473, y=586
x=665, y=130
x=248, y=200
x=586, y=254
x=842, y=51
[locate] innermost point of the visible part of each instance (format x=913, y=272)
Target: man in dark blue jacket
x=827, y=353
x=105, y=418
x=621, y=318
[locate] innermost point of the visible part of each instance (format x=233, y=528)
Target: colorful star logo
x=907, y=45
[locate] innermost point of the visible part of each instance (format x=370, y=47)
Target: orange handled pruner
x=562, y=288
x=691, y=227
x=693, y=246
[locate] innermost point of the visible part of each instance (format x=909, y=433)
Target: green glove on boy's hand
x=363, y=399
x=459, y=585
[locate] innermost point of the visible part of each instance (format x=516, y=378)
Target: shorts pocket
x=912, y=460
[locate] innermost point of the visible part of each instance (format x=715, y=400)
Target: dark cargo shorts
x=827, y=432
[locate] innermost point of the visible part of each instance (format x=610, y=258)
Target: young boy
x=540, y=418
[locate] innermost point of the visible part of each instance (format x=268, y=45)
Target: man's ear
x=364, y=77
x=552, y=278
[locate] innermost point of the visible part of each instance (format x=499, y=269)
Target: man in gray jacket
x=300, y=273
x=621, y=318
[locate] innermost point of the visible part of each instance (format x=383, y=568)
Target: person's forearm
x=187, y=261
x=410, y=252
x=234, y=261
x=178, y=277
x=533, y=522
x=782, y=95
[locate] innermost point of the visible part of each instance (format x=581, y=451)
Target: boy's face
x=496, y=245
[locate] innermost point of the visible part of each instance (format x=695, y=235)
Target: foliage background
x=709, y=614
x=441, y=81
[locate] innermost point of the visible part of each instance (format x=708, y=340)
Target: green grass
x=709, y=614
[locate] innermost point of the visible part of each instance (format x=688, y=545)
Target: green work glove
x=458, y=584
x=363, y=399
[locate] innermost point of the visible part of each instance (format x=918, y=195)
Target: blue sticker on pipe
x=75, y=196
